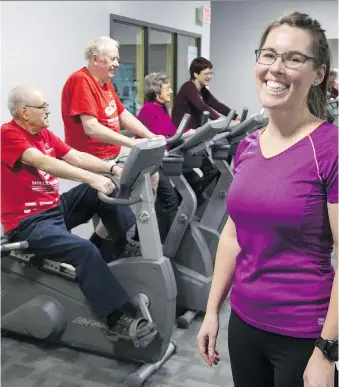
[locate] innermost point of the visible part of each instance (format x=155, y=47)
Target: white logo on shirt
x=44, y=174
x=111, y=108
x=48, y=149
x=321, y=321
x=27, y=211
x=31, y=204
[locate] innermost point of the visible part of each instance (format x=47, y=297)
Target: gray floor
x=28, y=364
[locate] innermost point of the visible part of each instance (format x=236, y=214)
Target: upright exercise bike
x=45, y=302
x=185, y=245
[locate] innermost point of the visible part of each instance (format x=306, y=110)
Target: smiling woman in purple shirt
x=275, y=250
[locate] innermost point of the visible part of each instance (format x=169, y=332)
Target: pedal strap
x=136, y=330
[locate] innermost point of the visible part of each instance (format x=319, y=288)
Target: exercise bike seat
x=55, y=267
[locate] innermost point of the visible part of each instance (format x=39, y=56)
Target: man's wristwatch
x=113, y=164
x=328, y=347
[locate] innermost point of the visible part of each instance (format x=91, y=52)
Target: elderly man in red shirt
x=92, y=112
x=32, y=209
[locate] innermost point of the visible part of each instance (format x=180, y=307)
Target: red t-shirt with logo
x=26, y=190
x=84, y=95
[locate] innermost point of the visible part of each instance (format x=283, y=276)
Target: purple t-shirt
x=155, y=117
x=284, y=274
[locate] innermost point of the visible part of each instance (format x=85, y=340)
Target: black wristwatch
x=328, y=347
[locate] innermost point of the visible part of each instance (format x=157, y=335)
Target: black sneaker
x=138, y=330
x=132, y=249
x=113, y=251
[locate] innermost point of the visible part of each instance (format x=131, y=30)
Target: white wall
x=235, y=33
x=42, y=42
x=334, y=49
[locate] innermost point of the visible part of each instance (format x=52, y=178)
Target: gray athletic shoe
x=138, y=330
x=132, y=249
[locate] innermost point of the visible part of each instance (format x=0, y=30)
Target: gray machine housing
x=185, y=244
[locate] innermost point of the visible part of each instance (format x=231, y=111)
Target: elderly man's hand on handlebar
x=235, y=122
x=159, y=136
x=117, y=171
x=140, y=140
x=189, y=133
x=137, y=141
x=156, y=136
x=102, y=184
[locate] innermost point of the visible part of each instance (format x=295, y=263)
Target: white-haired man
x=92, y=112
x=32, y=159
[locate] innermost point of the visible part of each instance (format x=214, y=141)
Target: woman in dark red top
x=194, y=98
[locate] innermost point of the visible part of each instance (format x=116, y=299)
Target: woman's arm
x=225, y=264
x=330, y=328
x=192, y=96
x=215, y=104
x=319, y=370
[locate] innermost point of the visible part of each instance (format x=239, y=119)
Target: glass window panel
x=161, y=54
x=187, y=51
x=129, y=76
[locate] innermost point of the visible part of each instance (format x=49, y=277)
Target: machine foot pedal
x=140, y=331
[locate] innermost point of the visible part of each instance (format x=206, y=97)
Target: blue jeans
x=49, y=237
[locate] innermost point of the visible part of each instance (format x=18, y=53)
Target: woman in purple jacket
x=154, y=115
x=275, y=249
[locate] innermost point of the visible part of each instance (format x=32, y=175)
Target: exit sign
x=207, y=15
x=203, y=15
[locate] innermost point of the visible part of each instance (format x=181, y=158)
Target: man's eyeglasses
x=43, y=107
x=292, y=59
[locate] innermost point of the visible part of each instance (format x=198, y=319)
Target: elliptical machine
x=185, y=245
x=46, y=303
